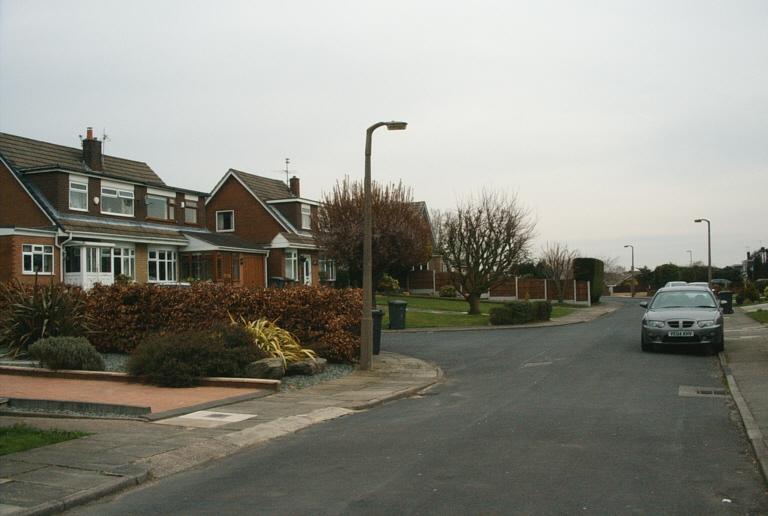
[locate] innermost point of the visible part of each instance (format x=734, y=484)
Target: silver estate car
x=683, y=315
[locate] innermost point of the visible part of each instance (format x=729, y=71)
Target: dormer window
x=78, y=193
x=117, y=199
x=306, y=216
x=225, y=220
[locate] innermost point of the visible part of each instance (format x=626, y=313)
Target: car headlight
x=655, y=324
x=706, y=324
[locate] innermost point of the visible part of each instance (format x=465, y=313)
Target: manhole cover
x=701, y=392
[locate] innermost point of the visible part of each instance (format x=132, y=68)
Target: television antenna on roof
x=287, y=171
x=104, y=139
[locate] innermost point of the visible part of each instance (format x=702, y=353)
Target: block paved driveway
x=565, y=420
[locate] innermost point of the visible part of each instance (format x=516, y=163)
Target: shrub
x=750, y=293
x=740, y=297
x=321, y=318
x=590, y=269
x=388, y=284
x=181, y=359
x=67, y=353
x=447, y=291
x=541, y=310
x=521, y=312
x=28, y=314
x=765, y=293
x=513, y=312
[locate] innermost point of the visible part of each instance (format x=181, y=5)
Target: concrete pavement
x=120, y=454
x=745, y=364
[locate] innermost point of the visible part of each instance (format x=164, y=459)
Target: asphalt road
x=562, y=420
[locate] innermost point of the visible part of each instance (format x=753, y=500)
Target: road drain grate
x=701, y=392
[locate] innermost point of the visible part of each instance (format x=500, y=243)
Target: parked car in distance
x=683, y=315
x=699, y=284
x=675, y=284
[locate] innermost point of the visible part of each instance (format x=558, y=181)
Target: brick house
x=82, y=217
x=268, y=213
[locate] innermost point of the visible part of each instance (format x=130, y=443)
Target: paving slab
x=745, y=363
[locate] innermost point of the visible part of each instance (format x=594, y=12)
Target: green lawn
x=759, y=316
x=454, y=312
x=22, y=437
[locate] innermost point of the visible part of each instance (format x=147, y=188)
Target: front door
x=307, y=270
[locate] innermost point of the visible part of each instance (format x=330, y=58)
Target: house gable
x=253, y=221
x=17, y=205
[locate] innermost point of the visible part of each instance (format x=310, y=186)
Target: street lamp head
x=396, y=126
x=697, y=220
x=628, y=245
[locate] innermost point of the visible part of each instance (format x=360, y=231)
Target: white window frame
x=291, y=264
x=328, y=266
x=127, y=257
x=170, y=263
x=121, y=192
x=42, y=250
x=78, y=182
x=218, y=229
x=306, y=216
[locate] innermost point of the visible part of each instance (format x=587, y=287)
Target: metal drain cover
x=701, y=392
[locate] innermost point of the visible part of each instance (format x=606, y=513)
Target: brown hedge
x=324, y=319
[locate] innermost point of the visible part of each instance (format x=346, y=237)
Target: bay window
x=327, y=269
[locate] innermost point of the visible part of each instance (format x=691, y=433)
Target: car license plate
x=680, y=333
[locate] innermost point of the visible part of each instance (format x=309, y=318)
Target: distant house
x=82, y=217
x=271, y=214
x=435, y=262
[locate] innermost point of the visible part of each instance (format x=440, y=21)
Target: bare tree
x=557, y=260
x=482, y=242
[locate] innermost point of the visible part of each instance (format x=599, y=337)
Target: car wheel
x=721, y=342
x=645, y=345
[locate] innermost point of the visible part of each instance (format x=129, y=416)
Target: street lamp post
x=366, y=322
x=690, y=257
x=709, y=249
x=632, y=270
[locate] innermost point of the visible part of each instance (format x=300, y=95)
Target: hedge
x=324, y=319
x=590, y=269
x=520, y=312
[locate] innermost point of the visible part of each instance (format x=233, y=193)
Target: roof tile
x=28, y=154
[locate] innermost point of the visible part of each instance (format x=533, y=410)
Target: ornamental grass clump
x=275, y=341
x=28, y=314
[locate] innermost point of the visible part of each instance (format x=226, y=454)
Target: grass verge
x=20, y=437
x=760, y=316
x=450, y=312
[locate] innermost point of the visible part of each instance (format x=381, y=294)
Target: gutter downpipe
x=61, y=253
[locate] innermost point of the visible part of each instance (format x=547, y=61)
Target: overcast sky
x=615, y=122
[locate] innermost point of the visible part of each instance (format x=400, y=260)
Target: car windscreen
x=682, y=299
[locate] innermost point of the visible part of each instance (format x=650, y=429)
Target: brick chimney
x=92, y=151
x=295, y=189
